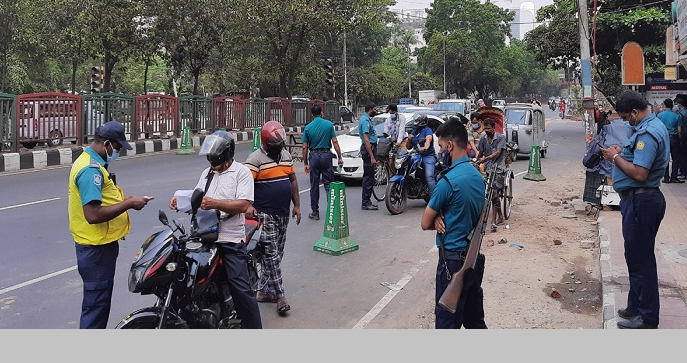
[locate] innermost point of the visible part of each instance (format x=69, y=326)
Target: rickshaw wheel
x=508, y=195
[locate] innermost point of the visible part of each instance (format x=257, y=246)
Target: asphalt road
x=41, y=289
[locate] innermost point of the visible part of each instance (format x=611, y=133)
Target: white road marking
x=362, y=323
x=521, y=173
x=38, y=279
x=30, y=203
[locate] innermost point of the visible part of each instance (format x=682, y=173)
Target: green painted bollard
x=186, y=147
x=534, y=169
x=335, y=239
x=256, y=138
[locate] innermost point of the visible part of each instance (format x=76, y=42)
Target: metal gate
x=300, y=112
x=8, y=111
x=228, y=113
x=156, y=115
x=196, y=113
x=48, y=117
x=331, y=111
x=257, y=113
x=103, y=107
x=313, y=103
x=280, y=110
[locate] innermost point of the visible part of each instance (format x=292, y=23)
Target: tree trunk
x=74, y=65
x=145, y=77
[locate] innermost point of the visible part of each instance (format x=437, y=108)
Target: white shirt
x=234, y=183
x=399, y=123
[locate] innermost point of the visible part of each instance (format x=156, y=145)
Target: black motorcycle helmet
x=420, y=122
x=218, y=147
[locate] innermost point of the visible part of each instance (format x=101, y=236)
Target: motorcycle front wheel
x=396, y=197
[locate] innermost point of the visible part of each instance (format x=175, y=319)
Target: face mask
x=111, y=158
x=393, y=117
x=475, y=126
x=216, y=160
x=676, y=109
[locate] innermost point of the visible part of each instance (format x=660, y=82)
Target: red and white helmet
x=272, y=133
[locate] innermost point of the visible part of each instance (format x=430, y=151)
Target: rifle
x=451, y=296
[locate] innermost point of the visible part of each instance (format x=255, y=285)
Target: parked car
x=380, y=109
x=462, y=106
x=345, y=115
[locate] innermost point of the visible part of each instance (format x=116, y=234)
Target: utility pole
x=444, y=64
x=345, y=73
x=586, y=67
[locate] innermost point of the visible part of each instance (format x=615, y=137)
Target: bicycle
x=506, y=193
x=383, y=168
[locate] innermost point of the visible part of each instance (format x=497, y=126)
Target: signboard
x=632, y=64
x=656, y=93
x=670, y=73
x=681, y=10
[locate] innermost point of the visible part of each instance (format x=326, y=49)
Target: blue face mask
x=393, y=117
x=475, y=126
x=111, y=158
x=676, y=109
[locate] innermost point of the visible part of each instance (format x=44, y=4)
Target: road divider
x=335, y=238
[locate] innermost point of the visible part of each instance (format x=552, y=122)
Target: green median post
x=256, y=138
x=186, y=147
x=335, y=238
x=534, y=168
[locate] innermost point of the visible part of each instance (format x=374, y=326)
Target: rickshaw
x=526, y=126
x=501, y=124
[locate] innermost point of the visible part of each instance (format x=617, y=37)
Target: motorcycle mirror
x=163, y=218
x=196, y=199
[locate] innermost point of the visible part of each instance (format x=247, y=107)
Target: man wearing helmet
x=318, y=137
x=421, y=136
x=230, y=191
x=276, y=187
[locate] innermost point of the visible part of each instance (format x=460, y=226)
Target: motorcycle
x=185, y=272
x=409, y=181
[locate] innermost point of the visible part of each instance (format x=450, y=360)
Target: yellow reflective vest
x=100, y=233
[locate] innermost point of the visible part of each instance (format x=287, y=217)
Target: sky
x=422, y=4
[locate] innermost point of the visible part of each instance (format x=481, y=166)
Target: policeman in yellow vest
x=98, y=219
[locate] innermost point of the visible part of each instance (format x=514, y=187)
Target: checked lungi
x=274, y=238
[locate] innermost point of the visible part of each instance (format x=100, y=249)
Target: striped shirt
x=272, y=184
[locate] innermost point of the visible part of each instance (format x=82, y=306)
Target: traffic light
x=97, y=77
x=329, y=69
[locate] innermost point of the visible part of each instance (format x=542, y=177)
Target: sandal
x=265, y=298
x=282, y=305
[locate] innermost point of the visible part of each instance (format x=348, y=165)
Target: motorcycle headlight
x=398, y=162
x=351, y=154
x=516, y=127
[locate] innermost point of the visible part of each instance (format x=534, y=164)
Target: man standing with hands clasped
x=640, y=165
x=318, y=137
x=98, y=219
x=368, y=149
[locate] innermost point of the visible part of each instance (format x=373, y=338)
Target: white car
x=350, y=145
x=499, y=104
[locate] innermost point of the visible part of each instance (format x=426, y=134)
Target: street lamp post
x=444, y=63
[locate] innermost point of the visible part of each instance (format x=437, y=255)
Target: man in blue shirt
x=421, y=136
x=368, y=147
x=454, y=211
x=318, y=137
x=640, y=165
x=671, y=120
x=490, y=152
x=682, y=122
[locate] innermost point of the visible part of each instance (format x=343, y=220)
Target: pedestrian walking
x=562, y=108
x=368, y=149
x=318, y=138
x=671, y=121
x=228, y=187
x=276, y=187
x=640, y=165
x=98, y=219
x=454, y=211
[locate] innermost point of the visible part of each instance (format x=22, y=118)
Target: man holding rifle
x=454, y=211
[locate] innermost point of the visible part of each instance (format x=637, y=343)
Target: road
x=41, y=289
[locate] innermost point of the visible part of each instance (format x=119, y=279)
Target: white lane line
x=362, y=323
x=38, y=279
x=521, y=173
x=30, y=203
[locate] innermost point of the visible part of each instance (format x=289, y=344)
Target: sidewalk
x=671, y=257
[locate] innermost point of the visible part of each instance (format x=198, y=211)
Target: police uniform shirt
x=648, y=147
x=90, y=180
x=235, y=183
x=461, y=201
x=319, y=134
x=365, y=127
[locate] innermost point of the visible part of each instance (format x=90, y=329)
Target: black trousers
x=235, y=261
x=682, y=167
x=96, y=265
x=675, y=155
x=641, y=217
x=368, y=173
x=470, y=312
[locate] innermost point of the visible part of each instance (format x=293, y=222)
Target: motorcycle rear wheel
x=396, y=197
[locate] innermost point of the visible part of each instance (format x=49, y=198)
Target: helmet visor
x=276, y=137
x=213, y=145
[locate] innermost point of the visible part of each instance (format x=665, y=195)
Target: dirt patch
x=542, y=268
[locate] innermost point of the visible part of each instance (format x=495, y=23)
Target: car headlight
x=351, y=154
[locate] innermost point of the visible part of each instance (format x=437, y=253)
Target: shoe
x=314, y=215
x=635, y=323
x=666, y=181
x=265, y=298
x=625, y=314
x=369, y=207
x=681, y=176
x=677, y=181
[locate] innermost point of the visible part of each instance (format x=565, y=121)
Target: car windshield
x=402, y=108
x=377, y=122
x=498, y=103
x=518, y=117
x=451, y=106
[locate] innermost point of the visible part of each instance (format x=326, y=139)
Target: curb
x=609, y=290
x=66, y=155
